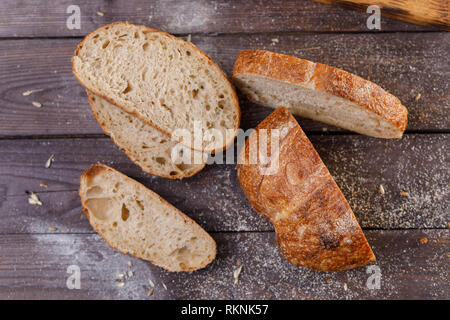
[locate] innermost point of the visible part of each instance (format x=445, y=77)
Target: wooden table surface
x=407, y=227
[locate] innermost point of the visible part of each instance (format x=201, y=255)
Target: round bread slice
x=163, y=80
x=148, y=147
x=319, y=92
x=139, y=222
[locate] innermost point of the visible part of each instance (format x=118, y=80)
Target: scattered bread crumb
x=49, y=161
x=101, y=14
x=34, y=199
x=37, y=104
x=43, y=185
x=345, y=287
x=52, y=229
x=275, y=41
x=404, y=194
x=417, y=97
x=236, y=274
x=424, y=240
x=421, y=116
x=150, y=292
x=120, y=284
x=324, y=129
x=129, y=273
x=381, y=189
x=164, y=285
x=28, y=92
x=151, y=283
x=239, y=262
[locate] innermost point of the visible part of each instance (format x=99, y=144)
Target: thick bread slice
x=148, y=147
x=137, y=221
x=165, y=81
x=319, y=92
x=315, y=226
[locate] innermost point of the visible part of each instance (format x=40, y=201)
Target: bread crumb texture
x=137, y=221
x=164, y=80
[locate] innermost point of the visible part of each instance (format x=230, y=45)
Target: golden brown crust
x=323, y=78
x=315, y=226
x=98, y=168
x=177, y=176
x=213, y=64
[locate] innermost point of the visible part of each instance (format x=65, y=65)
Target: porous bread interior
x=162, y=79
x=316, y=105
x=145, y=145
x=136, y=221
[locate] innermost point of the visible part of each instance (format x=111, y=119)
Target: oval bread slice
x=314, y=224
x=148, y=147
x=139, y=222
x=319, y=92
x=165, y=81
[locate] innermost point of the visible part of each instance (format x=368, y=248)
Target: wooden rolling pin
x=432, y=13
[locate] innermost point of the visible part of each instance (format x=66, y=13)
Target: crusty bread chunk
x=148, y=147
x=315, y=226
x=137, y=221
x=319, y=92
x=165, y=81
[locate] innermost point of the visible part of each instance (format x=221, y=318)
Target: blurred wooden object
x=433, y=13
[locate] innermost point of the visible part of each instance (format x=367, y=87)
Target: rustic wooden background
x=409, y=233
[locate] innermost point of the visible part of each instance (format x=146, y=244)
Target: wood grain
x=431, y=13
x=417, y=165
x=34, y=267
x=404, y=64
x=48, y=19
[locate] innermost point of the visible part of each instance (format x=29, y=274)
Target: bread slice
x=148, y=147
x=137, y=221
x=319, y=92
x=165, y=81
x=315, y=226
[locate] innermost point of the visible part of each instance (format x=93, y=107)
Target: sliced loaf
x=139, y=222
x=165, y=81
x=319, y=92
x=148, y=147
x=314, y=224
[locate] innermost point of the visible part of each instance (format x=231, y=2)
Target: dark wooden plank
x=48, y=19
x=427, y=13
x=405, y=64
x=34, y=267
x=417, y=164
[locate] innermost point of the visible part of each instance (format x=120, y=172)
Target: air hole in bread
x=127, y=89
x=160, y=160
x=105, y=44
x=125, y=212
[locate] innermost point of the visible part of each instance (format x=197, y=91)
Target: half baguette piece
x=139, y=222
x=315, y=226
x=148, y=147
x=319, y=92
x=165, y=81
